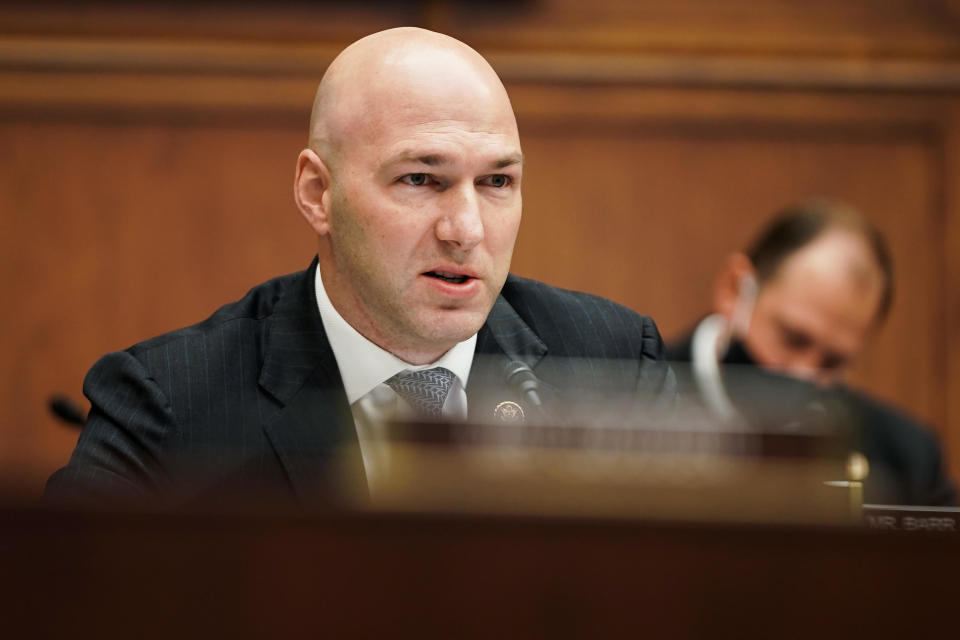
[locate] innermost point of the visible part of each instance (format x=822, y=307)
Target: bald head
x=401, y=76
x=836, y=275
x=802, y=224
x=411, y=183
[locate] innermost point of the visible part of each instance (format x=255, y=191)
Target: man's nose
x=460, y=223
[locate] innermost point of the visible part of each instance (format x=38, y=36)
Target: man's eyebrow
x=509, y=160
x=429, y=159
x=438, y=159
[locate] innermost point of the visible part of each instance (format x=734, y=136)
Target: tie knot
x=425, y=390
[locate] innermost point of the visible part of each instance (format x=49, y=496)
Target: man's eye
x=497, y=180
x=416, y=179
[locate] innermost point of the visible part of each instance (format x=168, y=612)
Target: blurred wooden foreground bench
x=389, y=575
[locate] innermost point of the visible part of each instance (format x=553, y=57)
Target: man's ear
x=311, y=190
x=736, y=280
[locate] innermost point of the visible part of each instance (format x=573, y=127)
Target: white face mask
x=743, y=309
x=710, y=342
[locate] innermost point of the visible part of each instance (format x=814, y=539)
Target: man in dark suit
x=801, y=303
x=411, y=183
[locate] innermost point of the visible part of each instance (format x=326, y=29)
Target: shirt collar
x=363, y=365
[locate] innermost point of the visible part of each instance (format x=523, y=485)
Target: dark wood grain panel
x=113, y=232
x=468, y=576
x=854, y=28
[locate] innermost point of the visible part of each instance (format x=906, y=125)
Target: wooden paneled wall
x=148, y=149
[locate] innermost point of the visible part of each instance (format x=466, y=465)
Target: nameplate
x=906, y=518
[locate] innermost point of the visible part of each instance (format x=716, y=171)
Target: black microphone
x=65, y=409
x=524, y=382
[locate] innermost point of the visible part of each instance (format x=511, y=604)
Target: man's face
x=425, y=210
x=813, y=317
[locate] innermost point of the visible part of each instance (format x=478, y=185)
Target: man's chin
x=450, y=326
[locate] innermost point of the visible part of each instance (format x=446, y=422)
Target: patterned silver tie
x=424, y=390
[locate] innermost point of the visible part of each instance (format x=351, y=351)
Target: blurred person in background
x=802, y=302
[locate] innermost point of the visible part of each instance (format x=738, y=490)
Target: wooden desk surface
x=388, y=575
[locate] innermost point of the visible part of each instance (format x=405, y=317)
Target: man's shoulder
x=257, y=305
x=219, y=356
x=900, y=446
x=899, y=430
x=526, y=293
x=575, y=318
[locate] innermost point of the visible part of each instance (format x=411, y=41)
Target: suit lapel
x=313, y=429
x=503, y=338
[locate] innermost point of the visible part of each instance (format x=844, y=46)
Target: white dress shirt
x=364, y=368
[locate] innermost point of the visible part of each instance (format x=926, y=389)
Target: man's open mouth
x=448, y=277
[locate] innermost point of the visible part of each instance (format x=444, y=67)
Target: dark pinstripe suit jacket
x=249, y=403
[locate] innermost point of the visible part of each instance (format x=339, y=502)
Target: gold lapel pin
x=509, y=412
